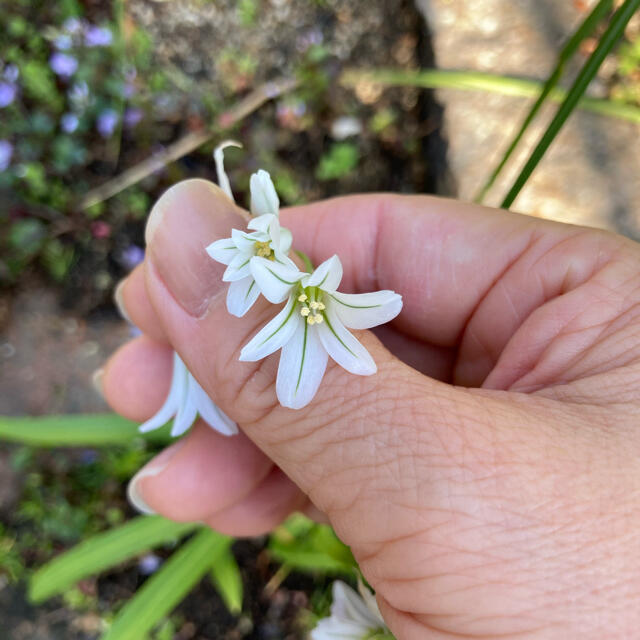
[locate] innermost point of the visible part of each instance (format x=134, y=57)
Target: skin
x=487, y=478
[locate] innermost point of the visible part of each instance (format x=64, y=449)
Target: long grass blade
x=166, y=588
x=489, y=82
x=86, y=430
x=225, y=575
x=610, y=37
x=103, y=551
x=567, y=52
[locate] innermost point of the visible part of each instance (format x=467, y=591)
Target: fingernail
x=184, y=221
x=153, y=468
x=118, y=298
x=96, y=381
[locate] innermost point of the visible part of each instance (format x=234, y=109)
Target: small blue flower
x=132, y=256
x=6, y=151
x=11, y=73
x=63, y=64
x=69, y=122
x=63, y=42
x=8, y=93
x=132, y=117
x=72, y=25
x=98, y=36
x=107, y=121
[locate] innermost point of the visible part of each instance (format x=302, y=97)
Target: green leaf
x=86, y=430
x=225, y=575
x=103, y=551
x=489, y=82
x=610, y=37
x=307, y=546
x=27, y=236
x=567, y=52
x=340, y=160
x=166, y=588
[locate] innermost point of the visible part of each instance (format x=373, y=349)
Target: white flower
x=185, y=401
x=264, y=198
x=353, y=616
x=268, y=240
x=313, y=325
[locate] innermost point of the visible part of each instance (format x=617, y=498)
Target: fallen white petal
x=241, y=296
x=342, y=346
x=303, y=361
x=366, y=310
x=276, y=333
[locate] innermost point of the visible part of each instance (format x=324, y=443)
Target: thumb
x=354, y=422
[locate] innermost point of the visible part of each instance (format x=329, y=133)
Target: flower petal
x=222, y=250
x=275, y=280
x=209, y=412
x=187, y=412
x=286, y=240
x=327, y=276
x=177, y=389
x=349, y=605
x=343, y=347
x=366, y=310
x=264, y=198
x=302, y=364
x=276, y=333
x=241, y=296
x=238, y=267
x=246, y=241
x=262, y=224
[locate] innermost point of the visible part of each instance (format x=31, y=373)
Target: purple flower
x=63, y=64
x=107, y=122
x=6, y=151
x=11, y=73
x=72, y=25
x=128, y=90
x=132, y=256
x=63, y=42
x=98, y=36
x=132, y=117
x=69, y=122
x=8, y=93
x=149, y=564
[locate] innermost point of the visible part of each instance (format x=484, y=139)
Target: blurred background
x=105, y=104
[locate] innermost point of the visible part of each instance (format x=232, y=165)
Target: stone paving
x=591, y=174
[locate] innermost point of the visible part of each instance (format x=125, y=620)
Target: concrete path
x=591, y=174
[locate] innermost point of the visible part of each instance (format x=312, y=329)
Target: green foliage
x=341, y=159
x=609, y=39
x=11, y=563
x=165, y=589
x=225, y=575
x=74, y=430
x=103, y=551
x=304, y=545
x=247, y=11
x=567, y=52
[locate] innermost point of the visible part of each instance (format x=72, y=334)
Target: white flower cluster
x=312, y=325
x=354, y=616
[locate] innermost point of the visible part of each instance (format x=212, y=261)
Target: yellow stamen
x=302, y=297
x=321, y=306
x=319, y=319
x=304, y=311
x=314, y=304
x=263, y=250
x=311, y=319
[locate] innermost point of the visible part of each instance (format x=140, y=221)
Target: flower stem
x=307, y=261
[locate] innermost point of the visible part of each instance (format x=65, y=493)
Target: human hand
x=491, y=488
